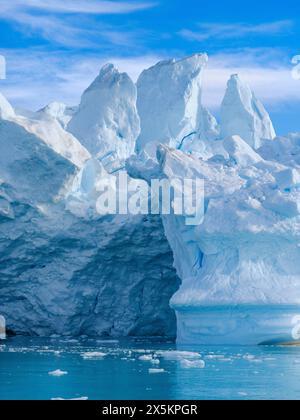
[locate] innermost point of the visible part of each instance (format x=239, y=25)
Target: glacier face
x=66, y=270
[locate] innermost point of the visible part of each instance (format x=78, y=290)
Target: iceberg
x=234, y=278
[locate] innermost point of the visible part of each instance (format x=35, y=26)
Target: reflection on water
x=95, y=369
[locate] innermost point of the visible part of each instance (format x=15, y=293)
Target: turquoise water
x=119, y=372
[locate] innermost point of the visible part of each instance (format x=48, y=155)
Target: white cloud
x=35, y=77
x=206, y=31
x=60, y=22
x=96, y=7
x=267, y=72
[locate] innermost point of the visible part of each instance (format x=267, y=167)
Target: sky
x=54, y=49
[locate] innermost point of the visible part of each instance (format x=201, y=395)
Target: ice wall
x=239, y=268
x=64, y=269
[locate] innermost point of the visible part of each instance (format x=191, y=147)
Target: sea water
x=39, y=369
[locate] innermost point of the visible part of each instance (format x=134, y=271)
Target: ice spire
x=244, y=115
x=107, y=120
x=169, y=96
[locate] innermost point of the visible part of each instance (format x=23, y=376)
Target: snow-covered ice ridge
x=66, y=270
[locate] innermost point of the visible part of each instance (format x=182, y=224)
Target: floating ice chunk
x=107, y=341
x=178, y=355
x=93, y=355
x=249, y=357
x=243, y=394
x=155, y=371
x=146, y=358
x=57, y=373
x=192, y=364
x=70, y=399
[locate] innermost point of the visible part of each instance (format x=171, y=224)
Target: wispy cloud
x=36, y=77
x=267, y=71
x=206, y=31
x=60, y=22
x=96, y=7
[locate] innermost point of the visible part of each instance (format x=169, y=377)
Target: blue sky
x=55, y=48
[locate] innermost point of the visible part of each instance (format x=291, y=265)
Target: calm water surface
x=95, y=369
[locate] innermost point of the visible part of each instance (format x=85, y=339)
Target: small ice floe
x=243, y=394
x=93, y=355
x=70, y=399
x=156, y=371
x=146, y=358
x=249, y=357
x=179, y=355
x=107, y=341
x=150, y=358
x=58, y=373
x=192, y=364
